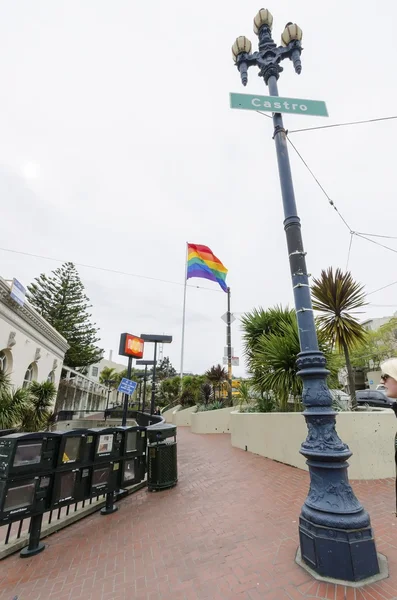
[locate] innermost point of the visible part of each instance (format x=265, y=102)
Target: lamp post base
x=343, y=554
x=108, y=510
x=383, y=573
x=27, y=552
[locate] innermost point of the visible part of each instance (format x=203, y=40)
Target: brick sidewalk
x=227, y=531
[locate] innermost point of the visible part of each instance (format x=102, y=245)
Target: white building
x=94, y=371
x=30, y=349
x=377, y=322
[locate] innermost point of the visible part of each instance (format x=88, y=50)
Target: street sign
x=316, y=108
x=225, y=351
x=127, y=387
x=224, y=318
x=18, y=292
x=235, y=361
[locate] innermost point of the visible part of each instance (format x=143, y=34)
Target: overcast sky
x=117, y=145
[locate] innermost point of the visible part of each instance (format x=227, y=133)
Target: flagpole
x=184, y=315
x=229, y=348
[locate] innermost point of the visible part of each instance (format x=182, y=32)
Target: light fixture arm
x=269, y=57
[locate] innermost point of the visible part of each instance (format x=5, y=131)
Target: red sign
x=131, y=345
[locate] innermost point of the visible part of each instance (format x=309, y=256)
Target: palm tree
x=107, y=374
x=244, y=393
x=206, y=391
x=216, y=376
x=260, y=322
x=274, y=363
x=38, y=414
x=271, y=347
x=336, y=295
x=13, y=404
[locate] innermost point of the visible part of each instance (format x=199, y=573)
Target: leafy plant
x=378, y=346
x=244, y=393
x=37, y=414
x=169, y=391
x=216, y=376
x=107, y=374
x=206, y=392
x=272, y=345
x=336, y=296
x=265, y=403
x=191, y=393
x=217, y=405
x=13, y=405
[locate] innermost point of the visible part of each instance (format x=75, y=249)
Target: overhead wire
x=384, y=287
x=331, y=202
x=374, y=242
x=388, y=237
x=350, y=248
x=344, y=124
x=107, y=270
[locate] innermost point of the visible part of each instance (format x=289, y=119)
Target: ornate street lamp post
x=335, y=532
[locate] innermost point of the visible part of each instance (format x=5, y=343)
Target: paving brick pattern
x=228, y=531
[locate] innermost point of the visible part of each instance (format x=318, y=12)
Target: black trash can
x=162, y=468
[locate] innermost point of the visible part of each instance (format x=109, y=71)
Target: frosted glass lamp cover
x=242, y=44
x=291, y=32
x=264, y=17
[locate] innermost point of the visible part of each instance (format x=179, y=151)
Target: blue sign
x=18, y=292
x=371, y=382
x=127, y=387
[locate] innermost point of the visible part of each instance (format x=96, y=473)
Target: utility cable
x=374, y=242
x=387, y=237
x=343, y=124
x=320, y=186
x=365, y=236
x=384, y=287
x=106, y=269
x=350, y=248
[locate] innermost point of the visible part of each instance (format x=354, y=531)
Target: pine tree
x=165, y=370
x=60, y=298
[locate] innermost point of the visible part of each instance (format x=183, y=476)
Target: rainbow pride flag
x=202, y=262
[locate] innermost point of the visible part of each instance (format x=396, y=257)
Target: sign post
x=131, y=346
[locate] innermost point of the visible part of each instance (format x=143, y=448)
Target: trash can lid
x=160, y=431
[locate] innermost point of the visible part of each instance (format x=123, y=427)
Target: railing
x=143, y=419
x=69, y=415
x=17, y=534
x=16, y=529
x=30, y=528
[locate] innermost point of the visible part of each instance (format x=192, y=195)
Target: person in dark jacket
x=389, y=379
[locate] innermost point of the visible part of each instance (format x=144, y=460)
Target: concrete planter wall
x=370, y=436
x=212, y=421
x=182, y=418
x=168, y=414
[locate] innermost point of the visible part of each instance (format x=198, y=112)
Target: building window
x=3, y=362
x=51, y=377
x=94, y=371
x=30, y=375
